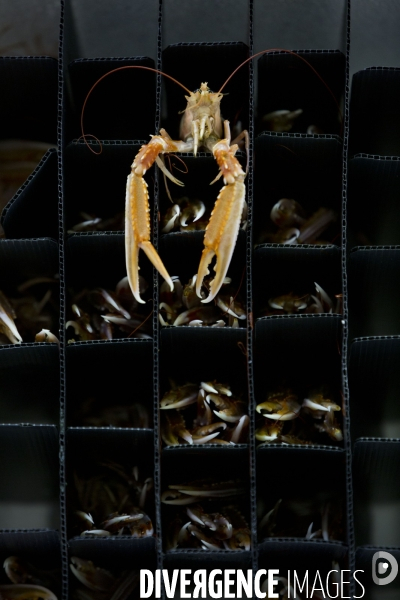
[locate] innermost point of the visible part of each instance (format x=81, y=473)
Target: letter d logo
x=380, y=568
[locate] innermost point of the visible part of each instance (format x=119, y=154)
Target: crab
x=223, y=530
x=294, y=225
x=183, y=306
x=28, y=582
x=315, y=414
x=102, y=314
x=307, y=304
x=182, y=494
x=231, y=427
x=281, y=406
x=116, y=497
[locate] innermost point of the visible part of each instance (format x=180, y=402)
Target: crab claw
x=137, y=234
x=221, y=234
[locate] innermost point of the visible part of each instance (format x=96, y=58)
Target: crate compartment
x=192, y=64
x=307, y=169
x=374, y=119
x=121, y=107
x=29, y=384
x=183, y=366
x=376, y=495
x=119, y=556
x=95, y=184
x=29, y=477
x=372, y=208
x=96, y=260
x=299, y=355
x=308, y=492
x=179, y=367
x=373, y=306
x=104, y=401
x=285, y=270
x=181, y=253
x=102, y=479
x=287, y=82
x=33, y=210
x=28, y=272
x=374, y=387
x=201, y=468
x=41, y=549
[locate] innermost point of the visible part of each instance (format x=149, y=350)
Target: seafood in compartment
x=31, y=561
x=188, y=208
x=299, y=399
x=107, y=569
x=180, y=252
x=111, y=489
x=196, y=374
x=201, y=507
x=300, y=202
x=30, y=290
x=100, y=304
x=296, y=280
x=294, y=97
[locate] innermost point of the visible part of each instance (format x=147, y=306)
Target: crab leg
x=137, y=210
x=223, y=228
